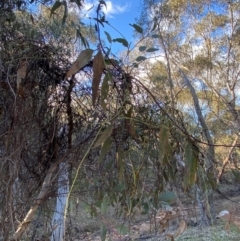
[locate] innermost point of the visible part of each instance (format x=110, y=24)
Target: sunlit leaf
x=82, y=60
x=123, y=41
x=140, y=58
x=142, y=48
x=108, y=37
x=55, y=6
x=106, y=133
x=137, y=28
x=98, y=67
x=152, y=50
x=105, y=149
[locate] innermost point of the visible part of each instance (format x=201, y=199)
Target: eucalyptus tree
x=122, y=140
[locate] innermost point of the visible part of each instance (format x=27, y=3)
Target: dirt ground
x=82, y=227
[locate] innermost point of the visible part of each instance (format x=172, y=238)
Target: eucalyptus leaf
x=140, y=58
x=123, y=41
x=142, y=48
x=106, y=133
x=55, y=6
x=137, y=28
x=152, y=50
x=108, y=37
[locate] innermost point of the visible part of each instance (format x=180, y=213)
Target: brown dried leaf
x=98, y=67
x=182, y=227
x=81, y=61
x=21, y=73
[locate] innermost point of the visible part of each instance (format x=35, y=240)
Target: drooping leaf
x=152, y=50
x=164, y=146
x=105, y=149
x=106, y=133
x=123, y=41
x=154, y=26
x=140, y=58
x=103, y=232
x=108, y=37
x=167, y=197
x=98, y=67
x=81, y=61
x=55, y=6
x=137, y=28
x=104, y=90
x=142, y=48
x=64, y=3
x=191, y=153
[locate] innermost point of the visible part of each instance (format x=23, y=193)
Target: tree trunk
x=43, y=192
x=226, y=160
x=59, y=217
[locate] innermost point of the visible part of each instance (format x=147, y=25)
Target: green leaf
x=103, y=232
x=154, y=26
x=105, y=149
x=123, y=41
x=120, y=187
x=104, y=205
x=140, y=58
x=109, y=165
x=106, y=133
x=137, y=28
x=167, y=196
x=65, y=12
x=105, y=89
x=191, y=163
x=155, y=36
x=55, y=6
x=151, y=50
x=108, y=37
x=120, y=163
x=142, y=48
x=135, y=65
x=123, y=230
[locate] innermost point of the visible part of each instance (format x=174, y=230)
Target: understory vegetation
x=138, y=145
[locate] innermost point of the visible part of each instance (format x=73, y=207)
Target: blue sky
x=119, y=13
